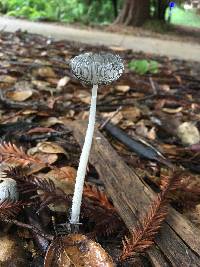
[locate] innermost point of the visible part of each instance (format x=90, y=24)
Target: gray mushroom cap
x=97, y=68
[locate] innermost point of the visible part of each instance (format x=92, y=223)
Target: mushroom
x=94, y=69
x=8, y=189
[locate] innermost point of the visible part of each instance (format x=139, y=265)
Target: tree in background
x=137, y=12
x=134, y=12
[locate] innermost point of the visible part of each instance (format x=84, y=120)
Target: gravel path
x=172, y=49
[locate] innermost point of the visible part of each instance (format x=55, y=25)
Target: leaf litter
x=39, y=95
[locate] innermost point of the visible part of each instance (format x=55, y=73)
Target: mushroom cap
x=97, y=68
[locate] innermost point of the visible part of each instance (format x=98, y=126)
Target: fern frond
x=99, y=209
x=32, y=183
x=142, y=237
x=11, y=153
x=10, y=208
x=93, y=192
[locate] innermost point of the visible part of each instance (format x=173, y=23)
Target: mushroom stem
x=80, y=177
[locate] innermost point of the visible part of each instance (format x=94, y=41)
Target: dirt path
x=173, y=49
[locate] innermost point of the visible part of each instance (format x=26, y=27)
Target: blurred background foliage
x=91, y=11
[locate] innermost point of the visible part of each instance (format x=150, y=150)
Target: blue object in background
x=171, y=5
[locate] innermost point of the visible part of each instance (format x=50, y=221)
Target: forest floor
x=185, y=47
x=129, y=183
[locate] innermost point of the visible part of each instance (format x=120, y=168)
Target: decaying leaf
x=62, y=82
x=114, y=119
x=122, y=88
x=20, y=94
x=12, y=252
x=84, y=96
x=131, y=113
x=45, y=159
x=172, y=110
x=78, y=251
x=51, y=148
x=7, y=79
x=44, y=72
x=51, y=121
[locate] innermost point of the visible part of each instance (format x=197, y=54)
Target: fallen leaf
x=63, y=81
x=12, y=252
x=44, y=72
x=41, y=130
x=50, y=122
x=172, y=110
x=51, y=148
x=131, y=113
x=19, y=94
x=78, y=251
x=122, y=88
x=43, y=157
x=84, y=96
x=7, y=79
x=116, y=119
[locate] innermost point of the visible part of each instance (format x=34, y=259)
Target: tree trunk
x=162, y=6
x=134, y=13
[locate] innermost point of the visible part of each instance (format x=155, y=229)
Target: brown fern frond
x=10, y=208
x=98, y=208
x=32, y=183
x=93, y=192
x=13, y=154
x=142, y=237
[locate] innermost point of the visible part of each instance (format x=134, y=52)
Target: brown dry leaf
x=152, y=134
x=12, y=252
x=50, y=122
x=122, y=88
x=172, y=110
x=41, y=85
x=51, y=148
x=41, y=130
x=170, y=149
x=78, y=251
x=116, y=119
x=19, y=94
x=131, y=113
x=84, y=96
x=165, y=87
x=44, y=72
x=63, y=81
x=7, y=79
x=43, y=157
x=63, y=178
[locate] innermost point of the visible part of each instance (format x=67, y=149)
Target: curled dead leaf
x=7, y=79
x=44, y=72
x=78, y=251
x=131, y=113
x=62, y=82
x=20, y=94
x=51, y=148
x=122, y=88
x=172, y=110
x=51, y=121
x=84, y=96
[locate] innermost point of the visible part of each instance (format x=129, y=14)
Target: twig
x=101, y=127
x=153, y=86
x=30, y=227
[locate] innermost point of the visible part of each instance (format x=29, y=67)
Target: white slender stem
x=80, y=177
